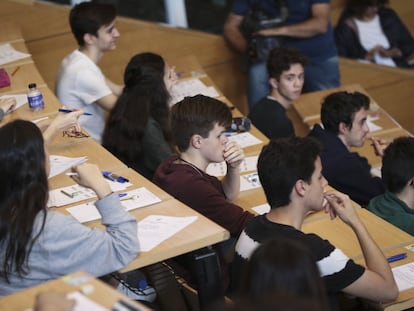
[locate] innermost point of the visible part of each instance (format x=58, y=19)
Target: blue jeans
x=318, y=76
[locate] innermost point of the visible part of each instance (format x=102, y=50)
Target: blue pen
x=68, y=111
x=397, y=257
x=114, y=177
x=121, y=195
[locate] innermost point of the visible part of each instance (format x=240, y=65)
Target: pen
x=121, y=195
x=114, y=177
x=15, y=70
x=68, y=111
x=71, y=174
x=70, y=195
x=397, y=257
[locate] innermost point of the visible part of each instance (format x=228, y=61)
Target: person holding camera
x=300, y=24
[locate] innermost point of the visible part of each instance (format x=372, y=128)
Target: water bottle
x=35, y=98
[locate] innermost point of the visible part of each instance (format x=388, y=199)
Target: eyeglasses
x=75, y=134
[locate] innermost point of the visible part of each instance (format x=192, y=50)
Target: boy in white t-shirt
x=80, y=83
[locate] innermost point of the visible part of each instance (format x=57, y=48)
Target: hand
x=379, y=145
x=170, y=78
x=393, y=52
x=233, y=154
x=267, y=32
x=7, y=104
x=339, y=204
x=90, y=176
x=64, y=121
x=53, y=301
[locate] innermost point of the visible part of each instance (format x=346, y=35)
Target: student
x=6, y=105
x=290, y=171
x=305, y=27
x=283, y=267
x=198, y=124
x=285, y=67
x=138, y=128
x=344, y=117
x=396, y=205
x=372, y=32
x=80, y=83
x=38, y=244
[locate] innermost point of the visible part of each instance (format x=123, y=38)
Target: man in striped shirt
x=290, y=172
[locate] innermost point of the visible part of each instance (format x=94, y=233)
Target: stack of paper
x=191, y=87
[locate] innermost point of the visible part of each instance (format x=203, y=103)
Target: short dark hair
x=358, y=7
x=283, y=162
x=197, y=115
x=341, y=107
x=398, y=164
x=88, y=17
x=281, y=58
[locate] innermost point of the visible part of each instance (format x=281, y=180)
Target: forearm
x=115, y=88
x=232, y=32
x=374, y=258
x=231, y=183
x=306, y=29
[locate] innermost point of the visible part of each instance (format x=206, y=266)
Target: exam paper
x=245, y=139
x=155, y=229
x=59, y=197
x=21, y=99
x=134, y=199
x=191, y=87
x=59, y=164
x=220, y=169
x=262, y=209
x=404, y=276
x=249, y=181
x=372, y=126
x=8, y=54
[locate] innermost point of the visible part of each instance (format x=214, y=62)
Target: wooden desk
x=387, y=236
x=26, y=74
x=308, y=105
x=102, y=294
x=405, y=298
x=10, y=32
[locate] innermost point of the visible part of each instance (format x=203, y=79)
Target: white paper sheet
x=404, y=276
x=59, y=197
x=220, y=169
x=249, y=181
x=21, y=99
x=155, y=229
x=134, y=199
x=245, y=139
x=262, y=209
x=59, y=164
x=372, y=126
x=8, y=54
x=191, y=87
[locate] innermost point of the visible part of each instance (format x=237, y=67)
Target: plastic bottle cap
x=32, y=85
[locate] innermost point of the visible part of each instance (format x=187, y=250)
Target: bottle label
x=36, y=101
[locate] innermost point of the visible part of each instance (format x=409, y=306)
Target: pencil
x=15, y=70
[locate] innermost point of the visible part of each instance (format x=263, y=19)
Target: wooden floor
x=46, y=31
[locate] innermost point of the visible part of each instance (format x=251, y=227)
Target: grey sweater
x=67, y=246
